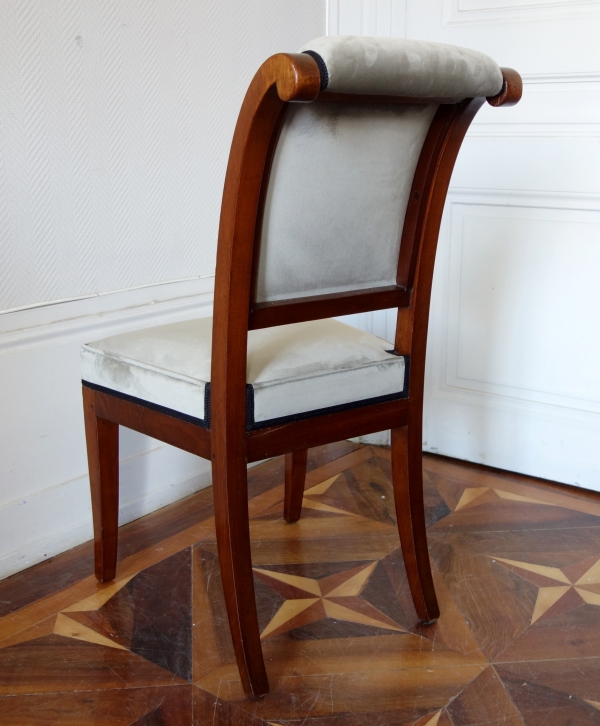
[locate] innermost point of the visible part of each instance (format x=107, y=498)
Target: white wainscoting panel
x=514, y=11
x=512, y=359
x=510, y=331
x=44, y=488
x=513, y=340
x=366, y=17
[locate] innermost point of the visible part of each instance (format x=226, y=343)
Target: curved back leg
x=230, y=484
x=407, y=477
x=295, y=475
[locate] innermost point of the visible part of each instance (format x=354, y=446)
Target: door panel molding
x=477, y=12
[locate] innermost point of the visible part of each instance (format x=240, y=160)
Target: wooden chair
x=335, y=187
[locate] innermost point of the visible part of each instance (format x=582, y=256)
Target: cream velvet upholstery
x=399, y=67
x=342, y=173
x=293, y=369
x=337, y=195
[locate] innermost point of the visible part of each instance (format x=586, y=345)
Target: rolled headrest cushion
x=400, y=67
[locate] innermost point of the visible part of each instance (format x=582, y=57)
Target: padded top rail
x=400, y=67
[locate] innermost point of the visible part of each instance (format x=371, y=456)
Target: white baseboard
x=379, y=438
x=60, y=517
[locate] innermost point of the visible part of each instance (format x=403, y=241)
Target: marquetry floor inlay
x=517, y=571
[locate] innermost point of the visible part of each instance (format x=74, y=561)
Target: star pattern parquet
x=517, y=570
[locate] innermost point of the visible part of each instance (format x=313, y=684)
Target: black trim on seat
x=251, y=424
x=322, y=67
x=205, y=423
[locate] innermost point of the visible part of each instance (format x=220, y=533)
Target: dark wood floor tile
x=451, y=629
x=430, y=719
x=162, y=616
x=208, y=710
x=401, y=717
x=122, y=707
x=365, y=546
x=556, y=603
x=271, y=473
x=436, y=507
x=475, y=475
x=513, y=515
x=95, y=621
x=338, y=656
x=575, y=677
x=368, y=492
x=553, y=547
x=57, y=664
x=484, y=701
x=174, y=709
x=118, y=611
x=574, y=634
x=584, y=570
x=450, y=490
x=337, y=465
x=444, y=720
x=404, y=692
x=339, y=526
x=44, y=627
x=45, y=578
x=496, y=603
x=466, y=469
x=211, y=642
x=388, y=590
x=543, y=706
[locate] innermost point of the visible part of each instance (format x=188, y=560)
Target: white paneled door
x=513, y=375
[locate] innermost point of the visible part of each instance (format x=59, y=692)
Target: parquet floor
x=517, y=569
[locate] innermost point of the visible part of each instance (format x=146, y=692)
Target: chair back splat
x=335, y=187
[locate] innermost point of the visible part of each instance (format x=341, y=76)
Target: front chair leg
x=102, y=439
x=230, y=486
x=407, y=477
x=295, y=475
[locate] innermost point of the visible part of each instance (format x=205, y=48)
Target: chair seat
x=294, y=371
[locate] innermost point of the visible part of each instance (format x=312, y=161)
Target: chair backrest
x=336, y=182
x=343, y=166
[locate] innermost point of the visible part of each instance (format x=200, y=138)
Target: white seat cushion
x=294, y=371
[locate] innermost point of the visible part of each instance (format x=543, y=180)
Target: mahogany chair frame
x=282, y=79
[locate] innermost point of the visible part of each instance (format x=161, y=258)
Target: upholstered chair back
x=343, y=165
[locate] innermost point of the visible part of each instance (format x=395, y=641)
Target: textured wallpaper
x=115, y=123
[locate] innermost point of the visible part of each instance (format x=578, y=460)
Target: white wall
x=514, y=344
x=115, y=123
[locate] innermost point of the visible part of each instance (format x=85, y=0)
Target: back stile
x=416, y=268
x=282, y=78
x=424, y=216
x=411, y=340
